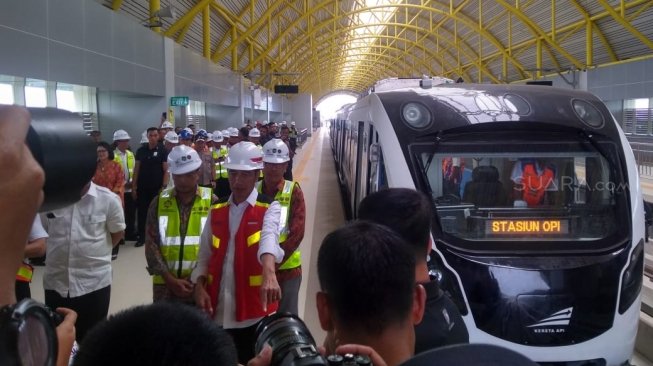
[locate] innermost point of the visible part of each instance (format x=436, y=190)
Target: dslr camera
x=293, y=345
x=66, y=154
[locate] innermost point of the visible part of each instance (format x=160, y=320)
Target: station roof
x=328, y=46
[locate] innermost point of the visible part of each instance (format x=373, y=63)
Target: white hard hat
x=233, y=132
x=244, y=156
x=275, y=151
x=144, y=137
x=225, y=134
x=264, y=123
x=292, y=123
x=254, y=132
x=183, y=159
x=167, y=124
x=283, y=123
x=171, y=137
x=120, y=135
x=217, y=136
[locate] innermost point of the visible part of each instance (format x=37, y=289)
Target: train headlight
x=588, y=113
x=416, y=115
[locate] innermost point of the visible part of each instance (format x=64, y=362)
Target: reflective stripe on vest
x=284, y=197
x=25, y=273
x=181, y=264
x=130, y=163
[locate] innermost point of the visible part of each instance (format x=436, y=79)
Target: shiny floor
x=314, y=170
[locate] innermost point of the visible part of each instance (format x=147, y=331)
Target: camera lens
x=292, y=343
x=66, y=154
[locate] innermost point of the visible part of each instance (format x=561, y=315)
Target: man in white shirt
x=235, y=274
x=78, y=265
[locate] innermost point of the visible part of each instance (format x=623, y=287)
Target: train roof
x=458, y=105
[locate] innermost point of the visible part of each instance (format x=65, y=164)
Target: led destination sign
x=520, y=226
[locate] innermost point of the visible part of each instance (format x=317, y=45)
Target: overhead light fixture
x=167, y=12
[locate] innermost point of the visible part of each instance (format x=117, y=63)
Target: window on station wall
x=35, y=93
x=196, y=114
x=7, y=90
x=638, y=116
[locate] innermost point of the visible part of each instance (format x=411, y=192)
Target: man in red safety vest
x=235, y=274
x=533, y=180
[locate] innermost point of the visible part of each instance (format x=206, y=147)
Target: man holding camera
x=174, y=223
x=235, y=275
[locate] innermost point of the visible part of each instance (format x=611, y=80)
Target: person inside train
x=533, y=180
x=409, y=213
x=357, y=266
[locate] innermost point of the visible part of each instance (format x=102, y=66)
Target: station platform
x=314, y=170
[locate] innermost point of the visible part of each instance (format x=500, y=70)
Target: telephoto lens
x=292, y=343
x=66, y=154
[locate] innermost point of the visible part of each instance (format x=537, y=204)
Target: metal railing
x=301, y=137
x=644, y=157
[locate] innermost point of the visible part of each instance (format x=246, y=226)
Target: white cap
x=144, y=137
x=292, y=123
x=233, y=132
x=171, y=137
x=183, y=159
x=275, y=151
x=217, y=136
x=120, y=135
x=167, y=124
x=244, y=156
x=254, y=132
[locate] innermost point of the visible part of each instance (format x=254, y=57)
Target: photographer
x=357, y=264
x=409, y=213
x=21, y=182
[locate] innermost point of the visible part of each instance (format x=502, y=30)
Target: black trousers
x=22, y=290
x=143, y=199
x=130, y=217
x=245, y=339
x=91, y=308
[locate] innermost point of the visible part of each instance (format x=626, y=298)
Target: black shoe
x=114, y=257
x=139, y=244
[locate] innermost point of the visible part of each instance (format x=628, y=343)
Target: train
x=538, y=231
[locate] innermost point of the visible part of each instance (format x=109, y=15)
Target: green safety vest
x=293, y=133
x=181, y=254
x=284, y=197
x=220, y=170
x=130, y=163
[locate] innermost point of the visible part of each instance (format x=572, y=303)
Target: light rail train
x=539, y=229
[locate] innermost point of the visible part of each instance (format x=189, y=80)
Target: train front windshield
x=528, y=192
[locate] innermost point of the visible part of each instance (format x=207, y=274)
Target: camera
x=293, y=345
x=66, y=154
x=27, y=334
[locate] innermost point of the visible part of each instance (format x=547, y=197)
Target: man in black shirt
x=409, y=213
x=150, y=176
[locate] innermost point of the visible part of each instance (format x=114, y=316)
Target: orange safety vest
x=534, y=185
x=247, y=269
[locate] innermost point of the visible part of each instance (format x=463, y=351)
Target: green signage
x=178, y=101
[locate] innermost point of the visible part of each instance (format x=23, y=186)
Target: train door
x=361, y=168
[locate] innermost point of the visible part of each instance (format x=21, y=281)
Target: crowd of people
x=220, y=262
